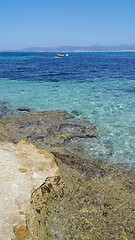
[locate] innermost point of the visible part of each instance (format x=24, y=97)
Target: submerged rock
x=46, y=129
x=25, y=109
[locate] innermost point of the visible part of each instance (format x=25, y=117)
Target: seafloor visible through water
x=99, y=87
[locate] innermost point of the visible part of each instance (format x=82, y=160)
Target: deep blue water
x=97, y=86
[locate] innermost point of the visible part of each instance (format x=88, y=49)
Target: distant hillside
x=94, y=48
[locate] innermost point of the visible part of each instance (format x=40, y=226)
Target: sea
x=99, y=87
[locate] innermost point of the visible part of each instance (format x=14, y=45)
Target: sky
x=50, y=23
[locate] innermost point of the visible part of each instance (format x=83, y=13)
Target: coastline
x=67, y=51
x=91, y=199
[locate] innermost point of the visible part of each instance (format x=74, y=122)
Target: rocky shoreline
x=88, y=199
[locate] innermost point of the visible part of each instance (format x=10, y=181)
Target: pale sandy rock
x=23, y=168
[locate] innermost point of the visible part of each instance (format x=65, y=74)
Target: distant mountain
x=95, y=48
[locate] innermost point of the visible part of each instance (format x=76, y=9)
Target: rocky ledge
x=88, y=199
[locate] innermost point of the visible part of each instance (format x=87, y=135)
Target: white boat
x=62, y=55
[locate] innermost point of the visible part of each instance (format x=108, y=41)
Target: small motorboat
x=62, y=55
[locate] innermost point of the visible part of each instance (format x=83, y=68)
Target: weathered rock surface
x=23, y=168
x=74, y=208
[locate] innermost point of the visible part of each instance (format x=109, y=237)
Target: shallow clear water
x=96, y=86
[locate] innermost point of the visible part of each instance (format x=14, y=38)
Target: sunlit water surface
x=97, y=86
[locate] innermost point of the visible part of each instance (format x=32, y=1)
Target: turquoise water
x=97, y=86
